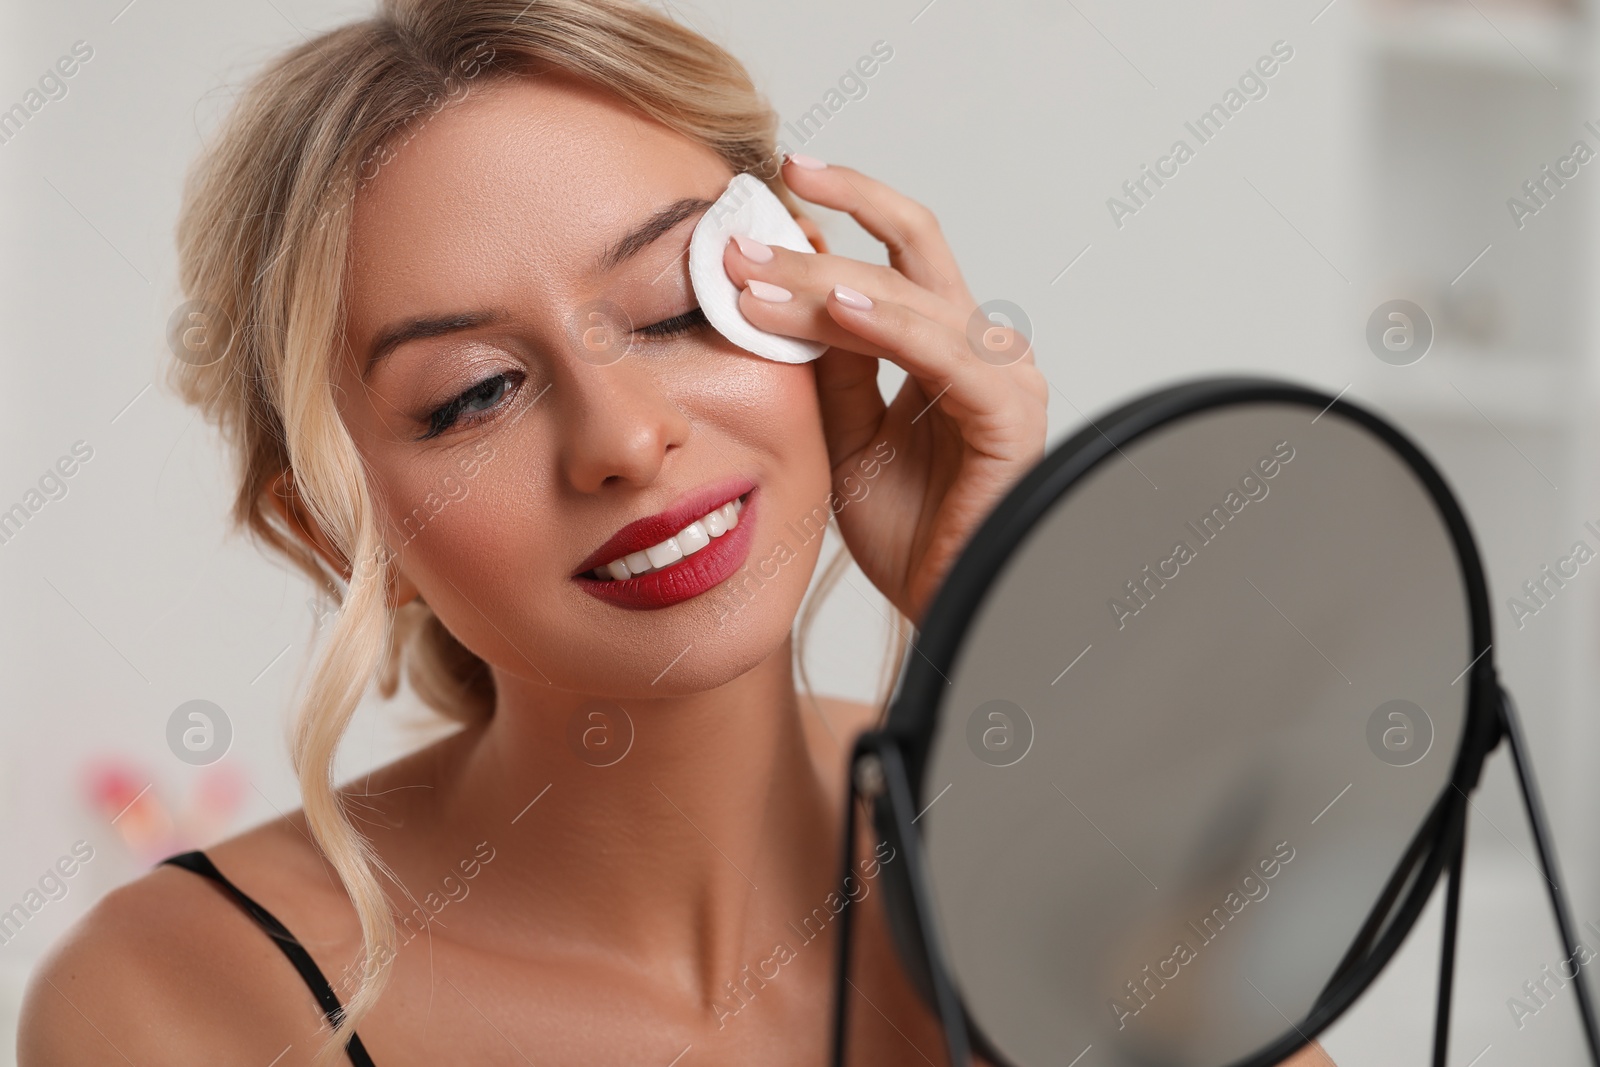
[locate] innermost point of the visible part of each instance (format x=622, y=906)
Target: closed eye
x=688, y=322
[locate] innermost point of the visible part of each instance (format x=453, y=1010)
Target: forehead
x=512, y=194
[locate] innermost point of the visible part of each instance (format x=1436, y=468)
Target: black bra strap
x=201, y=864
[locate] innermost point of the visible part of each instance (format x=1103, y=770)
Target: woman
x=622, y=855
x=473, y=179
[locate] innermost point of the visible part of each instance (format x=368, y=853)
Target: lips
x=687, y=577
x=653, y=529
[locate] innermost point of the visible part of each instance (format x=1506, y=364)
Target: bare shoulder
x=164, y=969
x=169, y=969
x=1312, y=1055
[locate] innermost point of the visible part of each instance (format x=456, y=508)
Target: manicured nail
x=808, y=162
x=777, y=294
x=852, y=299
x=753, y=250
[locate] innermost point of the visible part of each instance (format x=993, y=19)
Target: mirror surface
x=1195, y=723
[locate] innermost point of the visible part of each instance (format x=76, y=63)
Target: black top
x=201, y=864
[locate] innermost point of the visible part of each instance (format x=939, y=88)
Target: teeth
x=666, y=552
x=686, y=542
x=693, y=537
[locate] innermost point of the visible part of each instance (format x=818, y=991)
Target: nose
x=619, y=424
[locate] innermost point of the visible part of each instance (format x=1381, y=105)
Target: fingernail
x=808, y=162
x=777, y=294
x=753, y=250
x=852, y=299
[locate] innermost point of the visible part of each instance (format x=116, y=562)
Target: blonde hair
x=262, y=241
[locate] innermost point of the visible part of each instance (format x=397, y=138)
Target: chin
x=724, y=654
x=717, y=638
x=721, y=647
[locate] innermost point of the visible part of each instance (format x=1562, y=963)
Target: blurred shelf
x=1465, y=385
x=1533, y=41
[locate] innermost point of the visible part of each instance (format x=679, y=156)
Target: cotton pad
x=748, y=208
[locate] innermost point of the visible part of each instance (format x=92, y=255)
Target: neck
x=686, y=844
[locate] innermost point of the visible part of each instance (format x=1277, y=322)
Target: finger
x=917, y=247
x=982, y=399
x=852, y=404
x=935, y=351
x=847, y=372
x=938, y=352
x=817, y=272
x=780, y=310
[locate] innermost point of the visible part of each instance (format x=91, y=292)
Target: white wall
x=1369, y=171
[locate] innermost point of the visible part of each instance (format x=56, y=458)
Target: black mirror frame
x=888, y=765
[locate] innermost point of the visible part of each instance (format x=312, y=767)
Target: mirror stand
x=1457, y=851
x=1511, y=731
x=878, y=776
x=878, y=773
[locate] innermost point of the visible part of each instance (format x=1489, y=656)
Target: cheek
x=803, y=437
x=772, y=410
x=491, y=565
x=770, y=407
x=419, y=490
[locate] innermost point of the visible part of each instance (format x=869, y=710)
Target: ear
x=813, y=232
x=282, y=496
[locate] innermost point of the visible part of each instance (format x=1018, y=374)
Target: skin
x=616, y=902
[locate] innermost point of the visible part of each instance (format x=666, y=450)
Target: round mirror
x=1183, y=728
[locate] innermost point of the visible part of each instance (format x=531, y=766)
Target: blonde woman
x=407, y=217
x=622, y=855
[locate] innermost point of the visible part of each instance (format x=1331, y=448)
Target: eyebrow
x=392, y=337
x=612, y=256
x=641, y=236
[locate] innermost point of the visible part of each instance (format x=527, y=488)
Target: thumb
x=852, y=405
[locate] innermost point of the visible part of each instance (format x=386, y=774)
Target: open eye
x=688, y=322
x=473, y=404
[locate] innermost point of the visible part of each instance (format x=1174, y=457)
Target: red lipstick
x=687, y=577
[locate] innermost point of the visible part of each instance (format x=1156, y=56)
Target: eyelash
x=449, y=414
x=689, y=321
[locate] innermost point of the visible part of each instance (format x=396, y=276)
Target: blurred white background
x=1377, y=166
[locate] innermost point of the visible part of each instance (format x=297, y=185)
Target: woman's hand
x=963, y=428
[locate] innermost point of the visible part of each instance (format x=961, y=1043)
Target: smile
x=677, y=554
x=686, y=542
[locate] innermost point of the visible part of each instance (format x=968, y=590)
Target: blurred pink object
x=127, y=797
